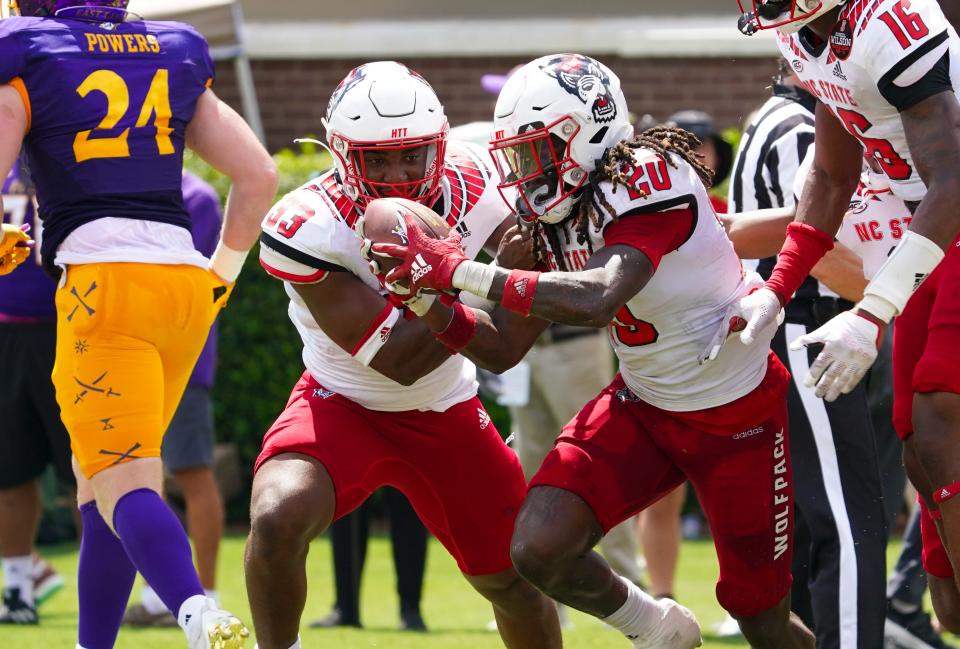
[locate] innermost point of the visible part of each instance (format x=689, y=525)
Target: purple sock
x=157, y=546
x=104, y=581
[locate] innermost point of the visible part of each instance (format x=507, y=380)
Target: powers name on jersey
x=310, y=233
x=659, y=333
x=882, y=57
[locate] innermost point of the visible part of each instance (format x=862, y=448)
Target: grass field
x=455, y=614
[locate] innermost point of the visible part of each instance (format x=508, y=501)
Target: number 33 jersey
x=881, y=58
x=108, y=106
x=665, y=212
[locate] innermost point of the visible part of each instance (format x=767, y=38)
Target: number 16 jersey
x=107, y=106
x=882, y=57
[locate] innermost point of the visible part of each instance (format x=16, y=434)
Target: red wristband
x=946, y=493
x=461, y=328
x=519, y=290
x=804, y=247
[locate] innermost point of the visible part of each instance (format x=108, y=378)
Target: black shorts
x=31, y=432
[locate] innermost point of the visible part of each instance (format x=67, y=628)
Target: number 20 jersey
x=660, y=332
x=108, y=106
x=876, y=49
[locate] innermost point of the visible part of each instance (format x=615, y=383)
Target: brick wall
x=293, y=94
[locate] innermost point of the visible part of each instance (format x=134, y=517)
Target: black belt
x=817, y=310
x=557, y=333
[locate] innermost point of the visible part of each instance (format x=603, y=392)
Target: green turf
x=455, y=614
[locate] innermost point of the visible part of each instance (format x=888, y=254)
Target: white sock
x=638, y=615
x=18, y=573
x=190, y=609
x=214, y=595
x=151, y=601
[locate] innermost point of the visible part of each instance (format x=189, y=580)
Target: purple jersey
x=108, y=106
x=29, y=292
x=203, y=205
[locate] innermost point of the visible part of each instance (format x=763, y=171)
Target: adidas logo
x=838, y=72
x=322, y=393
x=385, y=334
x=463, y=230
x=944, y=494
x=484, y=418
x=420, y=268
x=520, y=286
x=918, y=280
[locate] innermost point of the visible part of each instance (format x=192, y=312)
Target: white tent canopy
x=221, y=23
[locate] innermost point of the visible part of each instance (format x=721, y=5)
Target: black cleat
x=15, y=610
x=911, y=631
x=412, y=621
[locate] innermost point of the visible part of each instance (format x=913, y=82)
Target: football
x=383, y=222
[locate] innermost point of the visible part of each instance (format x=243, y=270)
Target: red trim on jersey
x=374, y=328
x=654, y=234
x=329, y=189
x=804, y=247
x=867, y=15
x=719, y=203
x=292, y=277
x=461, y=328
x=467, y=181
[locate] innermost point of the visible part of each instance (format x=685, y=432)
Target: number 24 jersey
x=108, y=106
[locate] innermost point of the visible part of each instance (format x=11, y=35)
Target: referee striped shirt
x=772, y=148
x=771, y=151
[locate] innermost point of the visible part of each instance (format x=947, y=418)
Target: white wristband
x=227, y=262
x=900, y=275
x=474, y=277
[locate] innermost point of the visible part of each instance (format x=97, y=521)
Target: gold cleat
x=231, y=634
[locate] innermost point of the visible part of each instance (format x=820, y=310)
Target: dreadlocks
x=614, y=166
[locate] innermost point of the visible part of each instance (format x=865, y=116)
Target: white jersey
x=878, y=48
x=310, y=233
x=875, y=222
x=660, y=332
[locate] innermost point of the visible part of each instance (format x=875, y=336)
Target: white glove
x=749, y=316
x=849, y=349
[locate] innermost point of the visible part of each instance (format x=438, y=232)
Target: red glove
x=426, y=262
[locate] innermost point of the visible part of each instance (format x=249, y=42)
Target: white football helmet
x=385, y=105
x=787, y=16
x=555, y=117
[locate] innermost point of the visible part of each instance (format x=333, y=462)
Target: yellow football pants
x=128, y=337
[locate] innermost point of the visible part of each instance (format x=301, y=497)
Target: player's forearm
x=250, y=198
x=932, y=129
x=585, y=298
x=498, y=342
x=842, y=271
x=825, y=199
x=410, y=353
x=757, y=234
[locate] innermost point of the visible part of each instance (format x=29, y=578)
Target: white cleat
x=677, y=629
x=214, y=628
